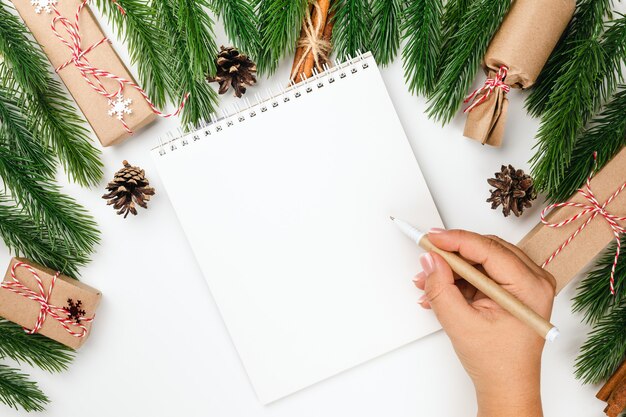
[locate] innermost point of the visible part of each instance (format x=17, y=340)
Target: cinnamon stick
x=319, y=24
x=617, y=401
x=299, y=52
x=612, y=383
x=327, y=34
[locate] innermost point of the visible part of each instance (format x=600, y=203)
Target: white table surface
x=160, y=349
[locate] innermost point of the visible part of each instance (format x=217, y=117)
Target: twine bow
x=93, y=75
x=312, y=42
x=596, y=209
x=59, y=314
x=487, y=88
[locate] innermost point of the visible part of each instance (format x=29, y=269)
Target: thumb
x=444, y=297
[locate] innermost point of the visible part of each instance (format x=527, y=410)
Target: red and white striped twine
x=91, y=74
x=60, y=314
x=487, y=88
x=596, y=209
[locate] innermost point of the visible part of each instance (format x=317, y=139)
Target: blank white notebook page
x=286, y=206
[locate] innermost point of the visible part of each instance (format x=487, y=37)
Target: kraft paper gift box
x=24, y=311
x=524, y=42
x=542, y=241
x=93, y=105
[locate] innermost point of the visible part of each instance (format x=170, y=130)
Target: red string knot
x=480, y=95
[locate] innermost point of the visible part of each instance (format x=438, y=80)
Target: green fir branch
x=23, y=237
x=241, y=24
x=422, y=32
x=16, y=391
x=279, y=24
x=387, y=30
x=33, y=350
x=189, y=78
x=587, y=81
x=606, y=136
x=352, y=26
x=50, y=112
x=588, y=22
x=144, y=38
x=452, y=19
x=66, y=222
x=594, y=298
x=18, y=139
x=605, y=348
x=466, y=51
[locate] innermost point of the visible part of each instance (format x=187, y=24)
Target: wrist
x=512, y=400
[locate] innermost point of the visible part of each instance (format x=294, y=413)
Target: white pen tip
x=553, y=334
x=392, y=218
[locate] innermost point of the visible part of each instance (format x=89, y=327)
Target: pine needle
x=279, y=24
x=139, y=30
x=594, y=298
x=605, y=347
x=466, y=51
x=351, y=33
x=23, y=237
x=16, y=390
x=50, y=113
x=452, y=20
x=241, y=24
x=586, y=24
x=607, y=135
x=190, y=33
x=585, y=83
x=422, y=32
x=386, y=32
x=34, y=350
x=66, y=222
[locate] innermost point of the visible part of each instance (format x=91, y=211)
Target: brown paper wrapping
x=542, y=241
x=23, y=311
x=94, y=106
x=524, y=42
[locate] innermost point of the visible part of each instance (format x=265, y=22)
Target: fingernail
x=419, y=277
x=421, y=299
x=428, y=263
x=436, y=230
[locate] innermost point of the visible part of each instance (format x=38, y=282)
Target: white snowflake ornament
x=43, y=5
x=120, y=107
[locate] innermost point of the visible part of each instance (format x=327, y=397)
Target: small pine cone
x=513, y=189
x=129, y=187
x=234, y=68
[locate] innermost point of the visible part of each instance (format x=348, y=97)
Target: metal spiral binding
x=177, y=139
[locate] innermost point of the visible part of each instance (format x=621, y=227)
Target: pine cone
x=235, y=69
x=129, y=187
x=514, y=190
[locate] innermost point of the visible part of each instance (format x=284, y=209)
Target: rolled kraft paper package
x=523, y=44
x=93, y=105
x=542, y=241
x=24, y=311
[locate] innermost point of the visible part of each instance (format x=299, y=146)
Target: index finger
x=500, y=263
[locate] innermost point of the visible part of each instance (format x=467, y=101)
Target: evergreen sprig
x=23, y=237
x=387, y=28
x=145, y=39
x=606, y=136
x=192, y=52
x=422, y=29
x=451, y=21
x=279, y=25
x=34, y=350
x=588, y=22
x=351, y=30
x=50, y=113
x=605, y=347
x=241, y=23
x=594, y=299
x=466, y=50
x=16, y=390
x=587, y=80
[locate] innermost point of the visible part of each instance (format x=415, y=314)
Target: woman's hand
x=501, y=354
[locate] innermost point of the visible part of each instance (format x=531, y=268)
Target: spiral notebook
x=286, y=205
